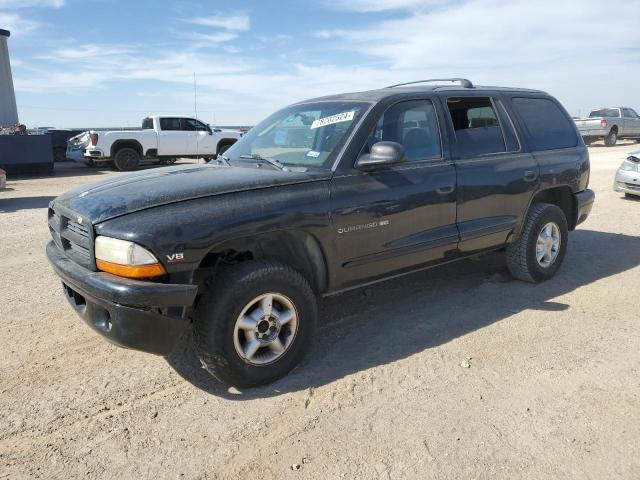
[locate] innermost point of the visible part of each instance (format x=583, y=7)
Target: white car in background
x=628, y=176
x=162, y=138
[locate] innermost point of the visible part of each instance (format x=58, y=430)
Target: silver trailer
x=8, y=107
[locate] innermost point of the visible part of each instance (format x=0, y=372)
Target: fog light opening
x=104, y=322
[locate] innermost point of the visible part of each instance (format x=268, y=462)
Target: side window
x=548, y=126
x=509, y=130
x=414, y=125
x=633, y=113
x=147, y=124
x=171, y=124
x=192, y=125
x=626, y=112
x=476, y=126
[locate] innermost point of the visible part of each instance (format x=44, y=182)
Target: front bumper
x=627, y=181
x=145, y=316
x=584, y=203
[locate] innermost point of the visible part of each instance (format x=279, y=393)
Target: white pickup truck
x=162, y=138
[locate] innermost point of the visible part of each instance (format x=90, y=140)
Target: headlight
x=126, y=259
x=630, y=165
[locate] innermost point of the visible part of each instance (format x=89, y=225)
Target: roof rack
x=464, y=83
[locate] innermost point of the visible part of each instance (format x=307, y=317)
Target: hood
x=127, y=193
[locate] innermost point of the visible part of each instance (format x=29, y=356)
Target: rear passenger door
x=496, y=177
x=172, y=139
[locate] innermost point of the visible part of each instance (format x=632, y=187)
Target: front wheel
x=255, y=323
x=539, y=251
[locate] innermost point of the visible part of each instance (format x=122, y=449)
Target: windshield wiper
x=271, y=161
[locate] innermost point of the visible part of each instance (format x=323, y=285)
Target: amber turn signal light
x=131, y=271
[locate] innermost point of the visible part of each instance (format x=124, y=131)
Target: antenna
x=195, y=96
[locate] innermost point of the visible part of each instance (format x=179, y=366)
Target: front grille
x=632, y=186
x=73, y=235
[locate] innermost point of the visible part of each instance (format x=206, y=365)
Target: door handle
x=445, y=190
x=530, y=176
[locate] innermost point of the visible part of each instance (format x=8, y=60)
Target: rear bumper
x=144, y=316
x=594, y=133
x=584, y=203
x=75, y=155
x=95, y=153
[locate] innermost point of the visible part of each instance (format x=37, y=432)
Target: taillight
x=94, y=139
x=604, y=123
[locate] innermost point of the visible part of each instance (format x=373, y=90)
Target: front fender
x=181, y=234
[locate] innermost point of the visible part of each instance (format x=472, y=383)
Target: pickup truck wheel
x=611, y=139
x=224, y=147
x=126, y=159
x=538, y=253
x=59, y=155
x=255, y=324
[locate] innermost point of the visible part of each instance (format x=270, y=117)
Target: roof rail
x=464, y=83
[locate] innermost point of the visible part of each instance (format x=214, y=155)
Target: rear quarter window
x=547, y=125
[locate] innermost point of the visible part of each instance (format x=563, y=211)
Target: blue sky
x=109, y=63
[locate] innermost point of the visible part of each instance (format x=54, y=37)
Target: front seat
x=419, y=144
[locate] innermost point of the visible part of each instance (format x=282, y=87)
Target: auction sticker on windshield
x=337, y=118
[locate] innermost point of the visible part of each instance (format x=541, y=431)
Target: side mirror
x=382, y=153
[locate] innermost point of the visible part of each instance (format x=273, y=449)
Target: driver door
x=199, y=139
x=399, y=217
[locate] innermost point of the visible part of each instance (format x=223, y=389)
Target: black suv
x=321, y=197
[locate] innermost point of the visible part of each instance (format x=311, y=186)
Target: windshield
x=605, y=112
x=307, y=135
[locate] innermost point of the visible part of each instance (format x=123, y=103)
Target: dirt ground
x=552, y=388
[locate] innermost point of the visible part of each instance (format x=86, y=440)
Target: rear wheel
x=256, y=323
x=126, y=159
x=539, y=251
x=611, y=139
x=59, y=155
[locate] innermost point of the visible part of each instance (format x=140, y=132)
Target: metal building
x=8, y=107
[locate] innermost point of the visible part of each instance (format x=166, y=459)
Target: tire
x=168, y=161
x=224, y=147
x=126, y=159
x=632, y=196
x=59, y=155
x=522, y=254
x=219, y=339
x=611, y=139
